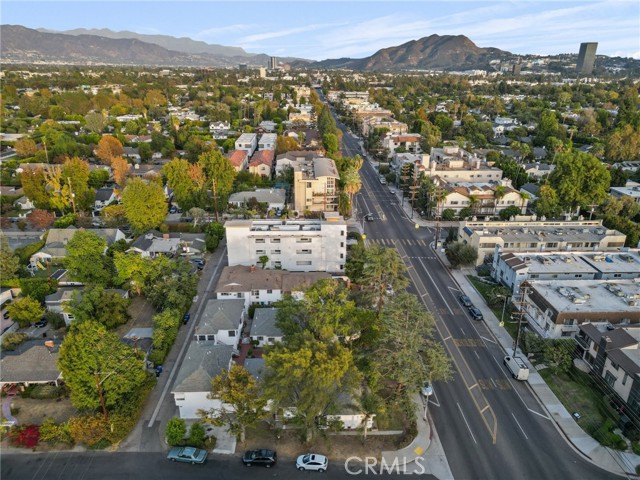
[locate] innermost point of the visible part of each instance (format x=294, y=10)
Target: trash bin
x=158, y=370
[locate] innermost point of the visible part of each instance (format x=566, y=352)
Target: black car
x=266, y=458
x=6, y=315
x=41, y=323
x=475, y=313
x=466, y=301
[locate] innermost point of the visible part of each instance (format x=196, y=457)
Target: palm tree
x=473, y=203
x=351, y=183
x=524, y=196
x=499, y=194
x=383, y=268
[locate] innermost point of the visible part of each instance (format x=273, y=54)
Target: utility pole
x=519, y=312
x=438, y=193
x=73, y=202
x=215, y=199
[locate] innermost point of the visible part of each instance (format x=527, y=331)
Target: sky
x=318, y=30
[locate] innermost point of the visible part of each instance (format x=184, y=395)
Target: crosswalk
x=391, y=242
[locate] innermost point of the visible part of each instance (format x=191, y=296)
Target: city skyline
x=320, y=30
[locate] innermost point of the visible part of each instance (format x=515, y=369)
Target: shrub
x=197, y=435
x=56, y=320
x=24, y=253
x=26, y=436
x=175, y=431
x=65, y=221
x=11, y=341
x=88, y=429
x=448, y=214
x=41, y=392
x=635, y=446
x=53, y=432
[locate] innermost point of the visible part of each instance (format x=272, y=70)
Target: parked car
x=427, y=389
x=264, y=457
x=173, y=210
x=312, y=461
x=41, y=323
x=466, y=301
x=476, y=314
x=5, y=315
x=187, y=455
x=186, y=318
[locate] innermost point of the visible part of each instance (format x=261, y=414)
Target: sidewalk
x=611, y=460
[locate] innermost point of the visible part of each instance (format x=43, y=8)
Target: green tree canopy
x=9, y=263
x=25, y=311
x=460, y=254
x=178, y=179
x=97, y=304
x=90, y=355
x=145, y=205
x=85, y=259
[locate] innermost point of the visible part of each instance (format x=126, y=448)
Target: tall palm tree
x=499, y=194
x=524, y=196
x=473, y=203
x=351, y=183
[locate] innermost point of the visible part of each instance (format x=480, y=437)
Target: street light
x=504, y=307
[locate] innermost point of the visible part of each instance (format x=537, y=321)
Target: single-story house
x=104, y=197
x=155, y=243
x=141, y=340
x=57, y=239
x=263, y=327
x=58, y=302
x=274, y=197
x=202, y=362
x=221, y=322
x=23, y=203
x=31, y=363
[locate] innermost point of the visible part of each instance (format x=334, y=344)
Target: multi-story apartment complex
x=539, y=236
x=408, y=142
x=483, y=199
x=453, y=164
x=369, y=124
x=294, y=245
x=315, y=184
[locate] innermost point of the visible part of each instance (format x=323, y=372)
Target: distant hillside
x=182, y=44
x=446, y=52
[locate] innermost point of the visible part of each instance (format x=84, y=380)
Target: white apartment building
x=247, y=142
x=539, y=236
x=453, y=164
x=294, y=245
x=631, y=190
x=481, y=198
x=369, y=124
x=267, y=141
x=408, y=142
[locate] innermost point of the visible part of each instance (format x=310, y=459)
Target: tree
x=330, y=143
x=25, y=147
x=9, y=263
x=144, y=204
x=132, y=270
x=558, y=355
x=179, y=180
x=175, y=431
x=37, y=287
x=25, y=311
x=95, y=122
x=97, y=178
x=145, y=152
x=623, y=144
x=460, y=254
x=263, y=259
x=383, y=268
x=548, y=126
x=109, y=147
x=197, y=435
x=547, y=203
x=106, y=307
x=120, y=169
x=34, y=185
x=40, y=219
x=99, y=369
x=85, y=258
x=351, y=182
x=75, y=176
x=580, y=179
x=198, y=215
x=237, y=388
x=510, y=211
x=286, y=144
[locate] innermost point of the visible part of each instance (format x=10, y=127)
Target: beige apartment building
x=315, y=184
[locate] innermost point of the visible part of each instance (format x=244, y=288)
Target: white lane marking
x=487, y=339
x=520, y=426
x=463, y=334
x=538, y=413
x=451, y=288
x=467, y=423
x=494, y=383
x=436, y=287
x=477, y=356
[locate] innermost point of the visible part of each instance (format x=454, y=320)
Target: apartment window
x=303, y=252
x=255, y=293
x=535, y=275
x=303, y=262
x=551, y=245
x=309, y=185
x=342, y=255
x=275, y=240
x=617, y=275
x=232, y=333
x=533, y=245
x=341, y=266
x=179, y=397
x=342, y=233
x=277, y=264
x=511, y=202
x=269, y=291
x=260, y=240
x=275, y=252
x=261, y=252
x=454, y=202
x=578, y=275
x=610, y=379
x=304, y=240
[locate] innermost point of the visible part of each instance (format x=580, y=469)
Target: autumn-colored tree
x=34, y=183
x=95, y=122
x=109, y=147
x=40, y=219
x=286, y=144
x=196, y=173
x=120, y=168
x=75, y=176
x=144, y=204
x=25, y=147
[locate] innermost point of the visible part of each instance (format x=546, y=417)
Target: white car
x=427, y=389
x=312, y=461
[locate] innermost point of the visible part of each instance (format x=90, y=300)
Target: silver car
x=312, y=461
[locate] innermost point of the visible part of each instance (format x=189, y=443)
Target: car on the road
x=187, y=455
x=427, y=389
x=41, y=323
x=369, y=217
x=475, y=313
x=264, y=457
x=466, y=301
x=313, y=462
x=392, y=191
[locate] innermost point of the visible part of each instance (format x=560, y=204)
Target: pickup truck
x=517, y=367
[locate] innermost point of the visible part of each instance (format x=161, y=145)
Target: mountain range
x=102, y=46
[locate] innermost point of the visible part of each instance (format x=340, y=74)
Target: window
x=260, y=338
x=269, y=291
x=578, y=275
x=617, y=275
x=275, y=252
x=240, y=294
x=255, y=293
x=535, y=275
x=342, y=233
x=275, y=240
x=277, y=264
x=624, y=379
x=341, y=244
x=202, y=338
x=342, y=255
x=610, y=379
x=303, y=262
x=179, y=397
x=260, y=240
x=615, y=366
x=271, y=340
x=261, y=252
x=303, y=252
x=304, y=240
x=232, y=333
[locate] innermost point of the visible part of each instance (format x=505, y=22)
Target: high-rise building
x=586, y=58
x=273, y=63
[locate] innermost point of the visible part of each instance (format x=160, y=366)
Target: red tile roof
x=262, y=157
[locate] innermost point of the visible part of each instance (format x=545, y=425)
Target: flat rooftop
x=523, y=233
x=281, y=225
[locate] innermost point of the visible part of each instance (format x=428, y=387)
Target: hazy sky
x=319, y=30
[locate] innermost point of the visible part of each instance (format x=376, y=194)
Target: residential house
x=268, y=125
x=264, y=330
x=131, y=153
x=294, y=245
x=630, y=190
x=221, y=322
x=58, y=302
x=533, y=235
x=264, y=287
x=104, y=197
x=247, y=142
x=203, y=361
x=274, y=197
x=31, y=364
x=24, y=204
x=55, y=247
x=538, y=170
x=262, y=163
x=614, y=355
x=239, y=159
x=154, y=243
x=531, y=191
x=140, y=339
x=408, y=142
x=557, y=308
x=481, y=198
x=267, y=141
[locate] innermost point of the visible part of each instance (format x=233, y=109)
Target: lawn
x=577, y=393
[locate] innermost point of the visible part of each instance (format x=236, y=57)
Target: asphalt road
x=491, y=426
